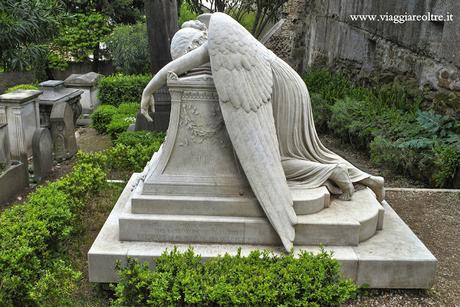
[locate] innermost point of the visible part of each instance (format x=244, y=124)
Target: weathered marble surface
x=20, y=110
x=393, y=258
x=54, y=92
x=42, y=147
x=87, y=83
x=63, y=131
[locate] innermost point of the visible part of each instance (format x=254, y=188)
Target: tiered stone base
x=392, y=257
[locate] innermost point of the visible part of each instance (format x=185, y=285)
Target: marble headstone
x=20, y=110
x=88, y=84
x=54, y=92
x=63, y=131
x=42, y=147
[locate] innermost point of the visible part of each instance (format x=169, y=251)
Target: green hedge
x=33, y=270
x=387, y=122
x=116, y=89
x=260, y=279
x=132, y=151
x=107, y=119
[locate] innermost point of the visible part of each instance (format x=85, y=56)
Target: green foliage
x=387, y=122
x=119, y=124
x=32, y=269
x=21, y=87
x=102, y=117
x=129, y=48
x=120, y=88
x=132, y=151
x=56, y=285
x=186, y=13
x=25, y=27
x=80, y=37
x=119, y=11
x=144, y=138
x=113, y=121
x=260, y=279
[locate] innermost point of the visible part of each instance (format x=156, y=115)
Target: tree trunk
x=161, y=26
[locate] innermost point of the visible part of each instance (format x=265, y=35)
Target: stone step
x=343, y=223
x=306, y=201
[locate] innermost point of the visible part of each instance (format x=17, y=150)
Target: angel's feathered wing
x=243, y=78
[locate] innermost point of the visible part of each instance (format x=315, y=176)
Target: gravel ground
x=435, y=219
x=433, y=216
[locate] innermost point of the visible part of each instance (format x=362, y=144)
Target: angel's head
x=192, y=35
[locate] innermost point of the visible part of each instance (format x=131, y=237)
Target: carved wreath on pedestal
x=201, y=128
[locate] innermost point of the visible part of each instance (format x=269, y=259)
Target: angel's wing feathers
x=243, y=78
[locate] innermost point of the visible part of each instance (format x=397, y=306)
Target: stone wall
x=322, y=32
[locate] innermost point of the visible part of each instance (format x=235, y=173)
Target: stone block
x=42, y=146
x=54, y=93
x=87, y=83
x=393, y=258
x=20, y=110
x=13, y=180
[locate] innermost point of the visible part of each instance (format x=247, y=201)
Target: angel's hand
x=147, y=104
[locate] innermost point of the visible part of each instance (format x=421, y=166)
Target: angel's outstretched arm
x=179, y=66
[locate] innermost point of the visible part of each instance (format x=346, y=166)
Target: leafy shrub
x=145, y=138
x=21, y=87
x=387, y=122
x=119, y=124
x=120, y=88
x=260, y=279
x=129, y=48
x=112, y=120
x=131, y=152
x=102, y=117
x=31, y=236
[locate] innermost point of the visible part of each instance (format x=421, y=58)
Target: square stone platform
x=393, y=258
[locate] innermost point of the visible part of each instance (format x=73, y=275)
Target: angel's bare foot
x=340, y=177
x=375, y=183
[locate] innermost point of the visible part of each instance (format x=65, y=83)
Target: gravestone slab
x=13, y=174
x=54, y=92
x=20, y=110
x=42, y=147
x=63, y=131
x=88, y=84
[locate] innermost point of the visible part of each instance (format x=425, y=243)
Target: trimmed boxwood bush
x=32, y=268
x=119, y=88
x=111, y=120
x=132, y=151
x=102, y=117
x=260, y=279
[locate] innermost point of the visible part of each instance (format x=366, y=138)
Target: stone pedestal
x=193, y=192
x=13, y=174
x=87, y=84
x=54, y=92
x=20, y=110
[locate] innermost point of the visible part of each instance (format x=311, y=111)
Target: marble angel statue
x=267, y=112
